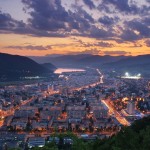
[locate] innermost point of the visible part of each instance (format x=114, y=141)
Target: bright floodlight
x=127, y=74
x=139, y=75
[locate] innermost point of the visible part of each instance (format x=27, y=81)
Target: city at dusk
x=74, y=74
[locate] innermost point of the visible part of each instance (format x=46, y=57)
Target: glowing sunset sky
x=104, y=27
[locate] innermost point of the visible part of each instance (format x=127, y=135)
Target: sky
x=98, y=27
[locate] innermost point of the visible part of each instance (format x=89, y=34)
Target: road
x=10, y=112
x=92, y=84
x=101, y=76
x=118, y=116
x=86, y=86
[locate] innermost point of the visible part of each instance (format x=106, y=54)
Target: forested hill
x=13, y=67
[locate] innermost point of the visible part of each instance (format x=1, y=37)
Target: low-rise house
x=42, y=125
x=76, y=111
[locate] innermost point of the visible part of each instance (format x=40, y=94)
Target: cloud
x=119, y=52
x=53, y=18
x=30, y=47
x=89, y=3
x=122, y=5
x=139, y=26
x=130, y=7
x=50, y=17
x=7, y=23
x=99, y=44
x=85, y=14
x=108, y=20
x=146, y=20
x=92, y=51
x=47, y=15
x=129, y=35
x=135, y=30
x=147, y=42
x=136, y=45
x=104, y=44
x=10, y=25
x=99, y=33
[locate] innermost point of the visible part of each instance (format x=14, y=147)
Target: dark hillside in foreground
x=135, y=137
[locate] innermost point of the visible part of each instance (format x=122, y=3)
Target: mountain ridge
x=80, y=60
x=14, y=67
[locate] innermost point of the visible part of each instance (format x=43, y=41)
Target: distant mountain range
x=137, y=64
x=14, y=67
x=49, y=66
x=134, y=64
x=82, y=60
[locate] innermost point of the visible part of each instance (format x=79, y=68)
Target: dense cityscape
x=90, y=104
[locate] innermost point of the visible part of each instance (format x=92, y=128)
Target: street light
x=139, y=75
x=127, y=74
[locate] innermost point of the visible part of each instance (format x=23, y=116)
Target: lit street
x=118, y=116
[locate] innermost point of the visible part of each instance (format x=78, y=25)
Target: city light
x=128, y=76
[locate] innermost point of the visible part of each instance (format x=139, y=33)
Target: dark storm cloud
x=30, y=47
x=89, y=3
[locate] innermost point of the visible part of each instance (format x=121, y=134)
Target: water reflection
x=61, y=70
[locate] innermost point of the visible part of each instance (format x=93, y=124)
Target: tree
x=135, y=137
